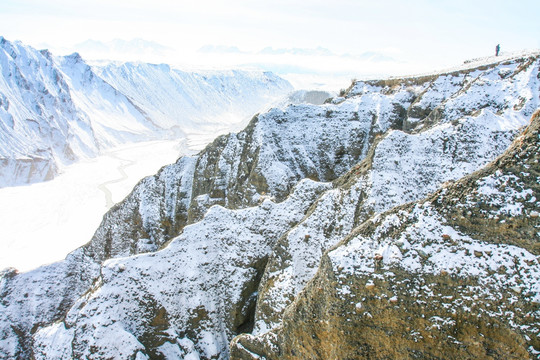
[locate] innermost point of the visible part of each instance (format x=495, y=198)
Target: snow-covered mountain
x=190, y=101
x=55, y=110
x=296, y=228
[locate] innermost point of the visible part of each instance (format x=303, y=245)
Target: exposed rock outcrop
x=275, y=151
x=454, y=275
x=400, y=167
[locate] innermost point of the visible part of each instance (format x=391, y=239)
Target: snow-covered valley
x=43, y=222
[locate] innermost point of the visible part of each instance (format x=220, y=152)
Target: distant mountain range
x=306, y=67
x=57, y=109
x=141, y=46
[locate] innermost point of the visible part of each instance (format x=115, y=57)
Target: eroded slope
x=455, y=275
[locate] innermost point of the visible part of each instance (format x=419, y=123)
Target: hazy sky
x=435, y=33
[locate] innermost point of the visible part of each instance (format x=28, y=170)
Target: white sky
x=417, y=34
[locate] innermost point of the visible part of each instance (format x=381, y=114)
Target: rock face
x=455, y=275
x=275, y=151
x=260, y=233
x=55, y=110
x=400, y=167
x=181, y=300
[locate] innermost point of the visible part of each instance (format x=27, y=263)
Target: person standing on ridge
x=497, y=49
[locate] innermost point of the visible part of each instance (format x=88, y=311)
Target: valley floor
x=41, y=223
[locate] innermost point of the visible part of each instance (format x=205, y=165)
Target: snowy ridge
x=240, y=228
x=36, y=106
x=110, y=112
x=50, y=113
x=55, y=110
x=266, y=160
x=478, y=62
x=134, y=292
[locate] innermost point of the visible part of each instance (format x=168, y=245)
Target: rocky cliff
x=260, y=233
x=454, y=275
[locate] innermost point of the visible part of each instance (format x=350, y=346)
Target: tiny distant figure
x=497, y=49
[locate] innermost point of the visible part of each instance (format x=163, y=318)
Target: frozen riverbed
x=43, y=222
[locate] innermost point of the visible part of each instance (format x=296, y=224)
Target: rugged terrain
x=454, y=275
x=297, y=228
x=57, y=109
